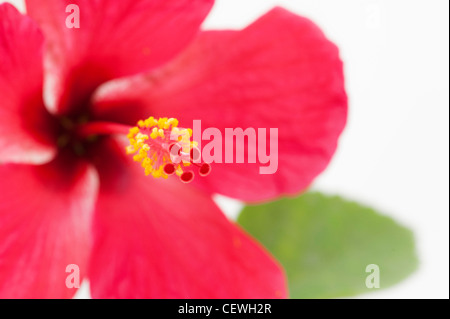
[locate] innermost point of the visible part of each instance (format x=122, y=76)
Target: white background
x=394, y=154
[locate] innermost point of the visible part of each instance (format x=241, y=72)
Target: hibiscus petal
x=24, y=121
x=114, y=38
x=45, y=218
x=165, y=239
x=280, y=72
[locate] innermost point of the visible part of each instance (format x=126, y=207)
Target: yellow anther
x=154, y=134
x=158, y=173
x=179, y=171
x=147, y=163
x=133, y=132
x=143, y=153
x=138, y=144
x=140, y=136
x=148, y=171
x=162, y=122
x=172, y=122
x=130, y=149
x=151, y=142
x=150, y=122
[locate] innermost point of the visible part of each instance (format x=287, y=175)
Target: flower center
x=164, y=149
x=67, y=138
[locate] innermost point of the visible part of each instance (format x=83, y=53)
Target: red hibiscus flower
x=68, y=196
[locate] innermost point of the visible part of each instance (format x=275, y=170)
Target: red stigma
x=169, y=169
x=187, y=177
x=204, y=170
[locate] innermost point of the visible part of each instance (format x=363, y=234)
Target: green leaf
x=325, y=244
